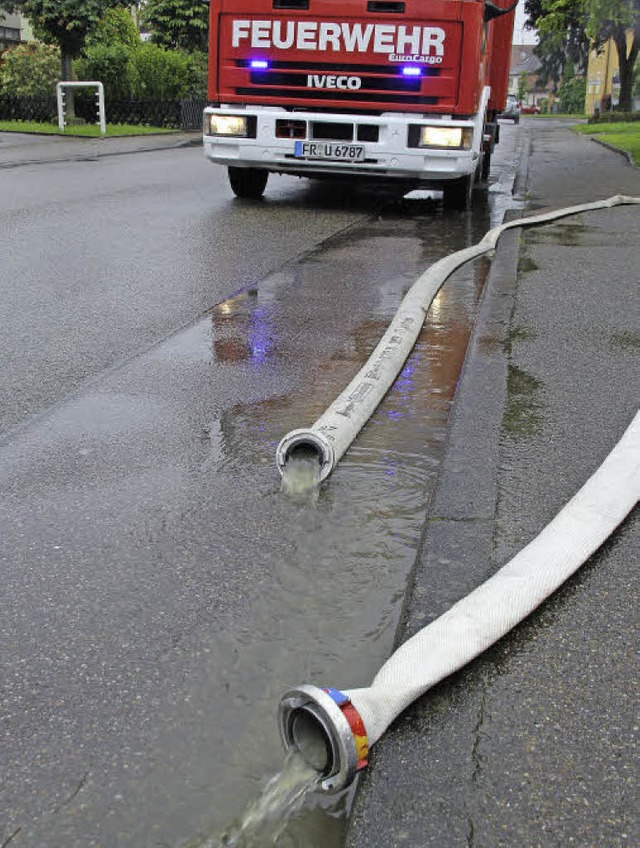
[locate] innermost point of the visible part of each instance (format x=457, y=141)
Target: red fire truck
x=407, y=90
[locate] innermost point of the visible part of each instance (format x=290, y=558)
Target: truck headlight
x=459, y=138
x=230, y=125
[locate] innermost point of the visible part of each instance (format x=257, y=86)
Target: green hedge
x=614, y=117
x=144, y=72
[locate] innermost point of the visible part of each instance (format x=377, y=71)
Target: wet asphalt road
x=158, y=593
x=103, y=258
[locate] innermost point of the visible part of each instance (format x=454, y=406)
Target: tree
x=562, y=34
x=64, y=23
x=523, y=87
x=180, y=24
x=568, y=28
x=116, y=28
x=612, y=19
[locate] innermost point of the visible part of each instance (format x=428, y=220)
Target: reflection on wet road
x=168, y=592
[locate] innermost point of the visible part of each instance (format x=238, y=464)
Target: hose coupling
x=310, y=440
x=327, y=731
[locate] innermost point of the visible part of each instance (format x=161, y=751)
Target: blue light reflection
x=260, y=338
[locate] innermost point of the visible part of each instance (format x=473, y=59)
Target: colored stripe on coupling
x=355, y=724
x=339, y=697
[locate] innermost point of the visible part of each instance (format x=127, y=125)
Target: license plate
x=329, y=150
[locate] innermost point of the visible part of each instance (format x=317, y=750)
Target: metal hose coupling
x=327, y=731
x=310, y=440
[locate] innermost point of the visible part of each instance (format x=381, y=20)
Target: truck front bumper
x=389, y=156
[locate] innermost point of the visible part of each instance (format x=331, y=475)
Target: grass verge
x=625, y=136
x=85, y=130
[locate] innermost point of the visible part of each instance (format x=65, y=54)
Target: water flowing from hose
x=266, y=818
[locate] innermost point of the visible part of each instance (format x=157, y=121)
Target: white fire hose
x=330, y=436
x=333, y=730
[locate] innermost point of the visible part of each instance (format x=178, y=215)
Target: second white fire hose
x=333, y=730
x=330, y=436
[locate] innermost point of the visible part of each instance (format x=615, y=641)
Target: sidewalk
x=531, y=744
x=30, y=149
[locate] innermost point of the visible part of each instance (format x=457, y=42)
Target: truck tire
x=248, y=183
x=456, y=194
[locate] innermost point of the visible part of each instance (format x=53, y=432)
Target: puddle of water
x=265, y=820
x=325, y=604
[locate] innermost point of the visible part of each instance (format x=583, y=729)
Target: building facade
x=603, y=78
x=14, y=29
x=524, y=61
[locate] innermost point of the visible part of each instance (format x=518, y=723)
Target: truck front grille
x=296, y=82
x=327, y=130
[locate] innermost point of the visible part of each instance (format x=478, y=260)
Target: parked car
x=530, y=110
x=512, y=109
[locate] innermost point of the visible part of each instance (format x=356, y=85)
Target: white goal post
x=102, y=120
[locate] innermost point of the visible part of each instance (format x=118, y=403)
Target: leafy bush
x=160, y=74
x=145, y=72
x=30, y=70
x=114, y=66
x=198, y=64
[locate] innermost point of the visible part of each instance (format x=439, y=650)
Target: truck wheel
x=456, y=194
x=248, y=182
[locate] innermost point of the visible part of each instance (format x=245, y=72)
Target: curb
x=624, y=153
x=95, y=155
x=460, y=521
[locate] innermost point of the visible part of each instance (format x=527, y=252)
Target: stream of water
x=301, y=477
x=265, y=819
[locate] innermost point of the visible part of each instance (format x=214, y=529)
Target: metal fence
x=173, y=114
x=39, y=109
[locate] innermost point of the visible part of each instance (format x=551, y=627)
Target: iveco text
x=331, y=81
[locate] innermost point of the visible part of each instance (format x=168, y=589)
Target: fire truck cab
x=406, y=90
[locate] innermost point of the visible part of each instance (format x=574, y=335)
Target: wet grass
x=577, y=116
x=521, y=415
x=624, y=136
x=566, y=235
x=626, y=339
x=83, y=130
x=526, y=265
x=516, y=334
x=488, y=344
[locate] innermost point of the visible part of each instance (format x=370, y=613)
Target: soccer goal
x=60, y=95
